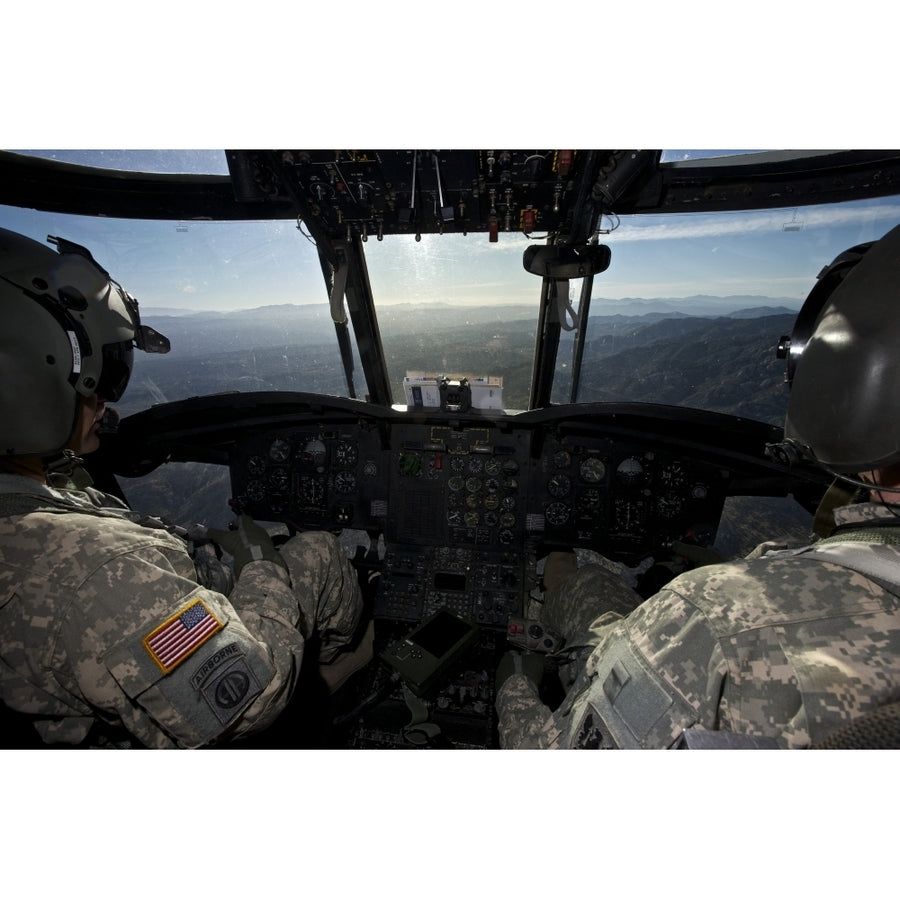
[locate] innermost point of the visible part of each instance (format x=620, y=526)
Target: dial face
x=561, y=459
x=669, y=504
x=312, y=490
x=346, y=453
x=256, y=490
x=673, y=475
x=589, y=500
x=313, y=453
x=593, y=470
x=630, y=471
x=557, y=513
x=345, y=482
x=279, y=479
x=256, y=465
x=559, y=485
x=280, y=450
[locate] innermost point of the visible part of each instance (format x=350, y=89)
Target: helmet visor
x=117, y=362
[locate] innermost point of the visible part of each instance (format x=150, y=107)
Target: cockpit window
x=688, y=312
x=164, y=162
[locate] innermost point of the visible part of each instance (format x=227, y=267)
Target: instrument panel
x=467, y=507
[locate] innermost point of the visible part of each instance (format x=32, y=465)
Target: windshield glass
x=688, y=312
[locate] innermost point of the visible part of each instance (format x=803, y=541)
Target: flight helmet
x=66, y=329
x=844, y=362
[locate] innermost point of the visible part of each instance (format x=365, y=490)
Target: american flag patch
x=177, y=638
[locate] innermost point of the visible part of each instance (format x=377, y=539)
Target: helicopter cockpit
x=461, y=361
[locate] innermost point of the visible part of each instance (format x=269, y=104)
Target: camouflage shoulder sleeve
x=173, y=662
x=790, y=648
x=651, y=676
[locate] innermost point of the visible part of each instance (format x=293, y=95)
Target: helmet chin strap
x=65, y=469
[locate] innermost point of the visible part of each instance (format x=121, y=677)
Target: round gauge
x=673, y=475
x=491, y=501
x=256, y=490
x=312, y=490
x=279, y=479
x=510, y=484
x=668, y=504
x=471, y=518
x=476, y=464
x=507, y=520
x=557, y=513
x=473, y=501
x=454, y=517
x=345, y=482
x=559, y=485
x=313, y=453
x=346, y=453
x=491, y=519
x=593, y=470
x=589, y=500
x=630, y=470
x=370, y=469
x=473, y=485
x=510, y=467
x=699, y=491
x=457, y=464
x=506, y=536
x=492, y=467
x=508, y=502
x=280, y=450
x=630, y=516
x=492, y=486
x=561, y=459
x=256, y=465
x=456, y=483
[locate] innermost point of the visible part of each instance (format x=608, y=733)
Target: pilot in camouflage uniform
x=111, y=634
x=788, y=644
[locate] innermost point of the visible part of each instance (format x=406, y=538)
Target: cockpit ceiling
x=372, y=193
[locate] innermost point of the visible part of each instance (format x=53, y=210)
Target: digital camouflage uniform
x=103, y=622
x=788, y=644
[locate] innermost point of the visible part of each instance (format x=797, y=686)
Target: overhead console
x=342, y=193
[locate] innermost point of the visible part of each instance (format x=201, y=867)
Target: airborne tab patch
x=178, y=637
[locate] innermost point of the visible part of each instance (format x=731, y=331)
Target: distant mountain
x=723, y=362
x=696, y=305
